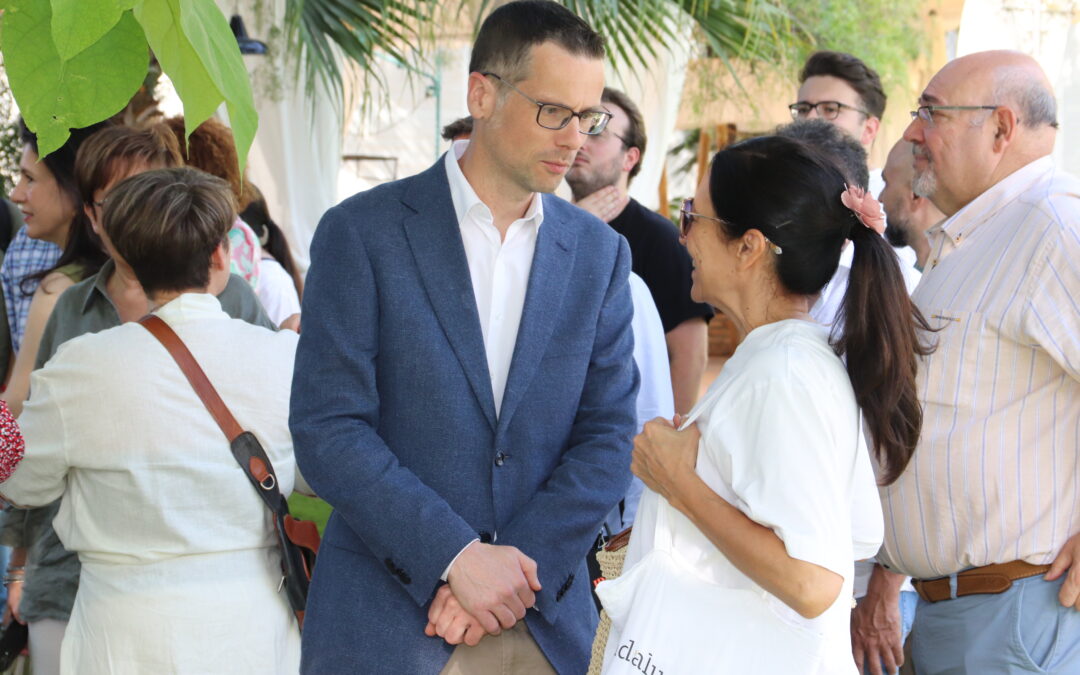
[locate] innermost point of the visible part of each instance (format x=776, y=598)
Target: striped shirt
x=995, y=477
x=25, y=256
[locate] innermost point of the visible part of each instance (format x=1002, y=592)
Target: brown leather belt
x=988, y=579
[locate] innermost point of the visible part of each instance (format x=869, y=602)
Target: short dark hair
x=166, y=224
x=458, y=128
x=509, y=33
x=832, y=141
x=862, y=78
x=790, y=192
x=635, y=129
x=113, y=150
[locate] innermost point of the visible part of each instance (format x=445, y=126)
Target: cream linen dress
x=180, y=570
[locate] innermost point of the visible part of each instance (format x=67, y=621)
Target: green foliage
x=72, y=63
x=55, y=95
x=77, y=24
x=198, y=52
x=323, y=32
x=886, y=34
x=10, y=144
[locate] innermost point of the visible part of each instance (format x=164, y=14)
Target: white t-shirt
x=654, y=398
x=276, y=291
x=782, y=441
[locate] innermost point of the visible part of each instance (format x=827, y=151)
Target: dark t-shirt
x=662, y=263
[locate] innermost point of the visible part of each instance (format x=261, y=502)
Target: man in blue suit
x=464, y=388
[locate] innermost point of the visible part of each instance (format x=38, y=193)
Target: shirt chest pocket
x=961, y=363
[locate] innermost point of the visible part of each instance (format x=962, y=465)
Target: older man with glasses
x=986, y=517
x=465, y=384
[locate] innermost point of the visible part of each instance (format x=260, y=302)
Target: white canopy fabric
x=1049, y=33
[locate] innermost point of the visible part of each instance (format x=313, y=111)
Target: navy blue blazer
x=394, y=422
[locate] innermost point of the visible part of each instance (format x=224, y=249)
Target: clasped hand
x=664, y=456
x=488, y=590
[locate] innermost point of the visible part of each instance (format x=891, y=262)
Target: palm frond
x=322, y=32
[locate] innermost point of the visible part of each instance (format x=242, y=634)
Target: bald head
x=990, y=113
x=1008, y=78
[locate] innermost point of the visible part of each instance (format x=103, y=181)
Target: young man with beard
x=599, y=181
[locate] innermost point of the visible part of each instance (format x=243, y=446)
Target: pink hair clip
x=865, y=207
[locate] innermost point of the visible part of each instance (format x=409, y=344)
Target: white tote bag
x=668, y=620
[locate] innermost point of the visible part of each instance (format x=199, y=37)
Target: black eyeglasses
x=926, y=112
x=829, y=110
x=555, y=116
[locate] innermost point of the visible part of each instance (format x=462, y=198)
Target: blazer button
x=485, y=537
x=500, y=458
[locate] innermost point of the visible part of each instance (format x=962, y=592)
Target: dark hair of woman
x=273, y=241
x=82, y=246
x=791, y=194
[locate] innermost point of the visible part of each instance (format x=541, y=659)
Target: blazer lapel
x=435, y=241
x=548, y=279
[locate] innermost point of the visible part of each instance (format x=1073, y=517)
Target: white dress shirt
x=499, y=267
x=995, y=475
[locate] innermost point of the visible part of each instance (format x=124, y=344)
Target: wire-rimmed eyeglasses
x=555, y=116
x=926, y=112
x=828, y=110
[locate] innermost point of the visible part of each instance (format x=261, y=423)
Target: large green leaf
x=198, y=52
x=56, y=96
x=77, y=24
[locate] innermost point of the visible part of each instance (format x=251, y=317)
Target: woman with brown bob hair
x=180, y=564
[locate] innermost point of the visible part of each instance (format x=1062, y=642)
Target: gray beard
x=924, y=183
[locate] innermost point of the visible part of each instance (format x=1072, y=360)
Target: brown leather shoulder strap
x=194, y=373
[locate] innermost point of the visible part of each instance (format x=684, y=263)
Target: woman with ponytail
x=768, y=481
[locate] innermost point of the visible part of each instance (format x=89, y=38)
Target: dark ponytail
x=879, y=337
x=791, y=193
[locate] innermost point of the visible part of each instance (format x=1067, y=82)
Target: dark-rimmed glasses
x=555, y=116
x=828, y=110
x=926, y=112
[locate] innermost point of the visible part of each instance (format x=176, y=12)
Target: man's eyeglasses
x=555, y=116
x=926, y=112
x=829, y=110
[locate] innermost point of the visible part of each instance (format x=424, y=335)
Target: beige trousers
x=512, y=652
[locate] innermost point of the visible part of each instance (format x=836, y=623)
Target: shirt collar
x=997, y=197
x=191, y=306
x=466, y=201
x=101, y=280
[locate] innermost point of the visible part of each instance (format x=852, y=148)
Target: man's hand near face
x=606, y=203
